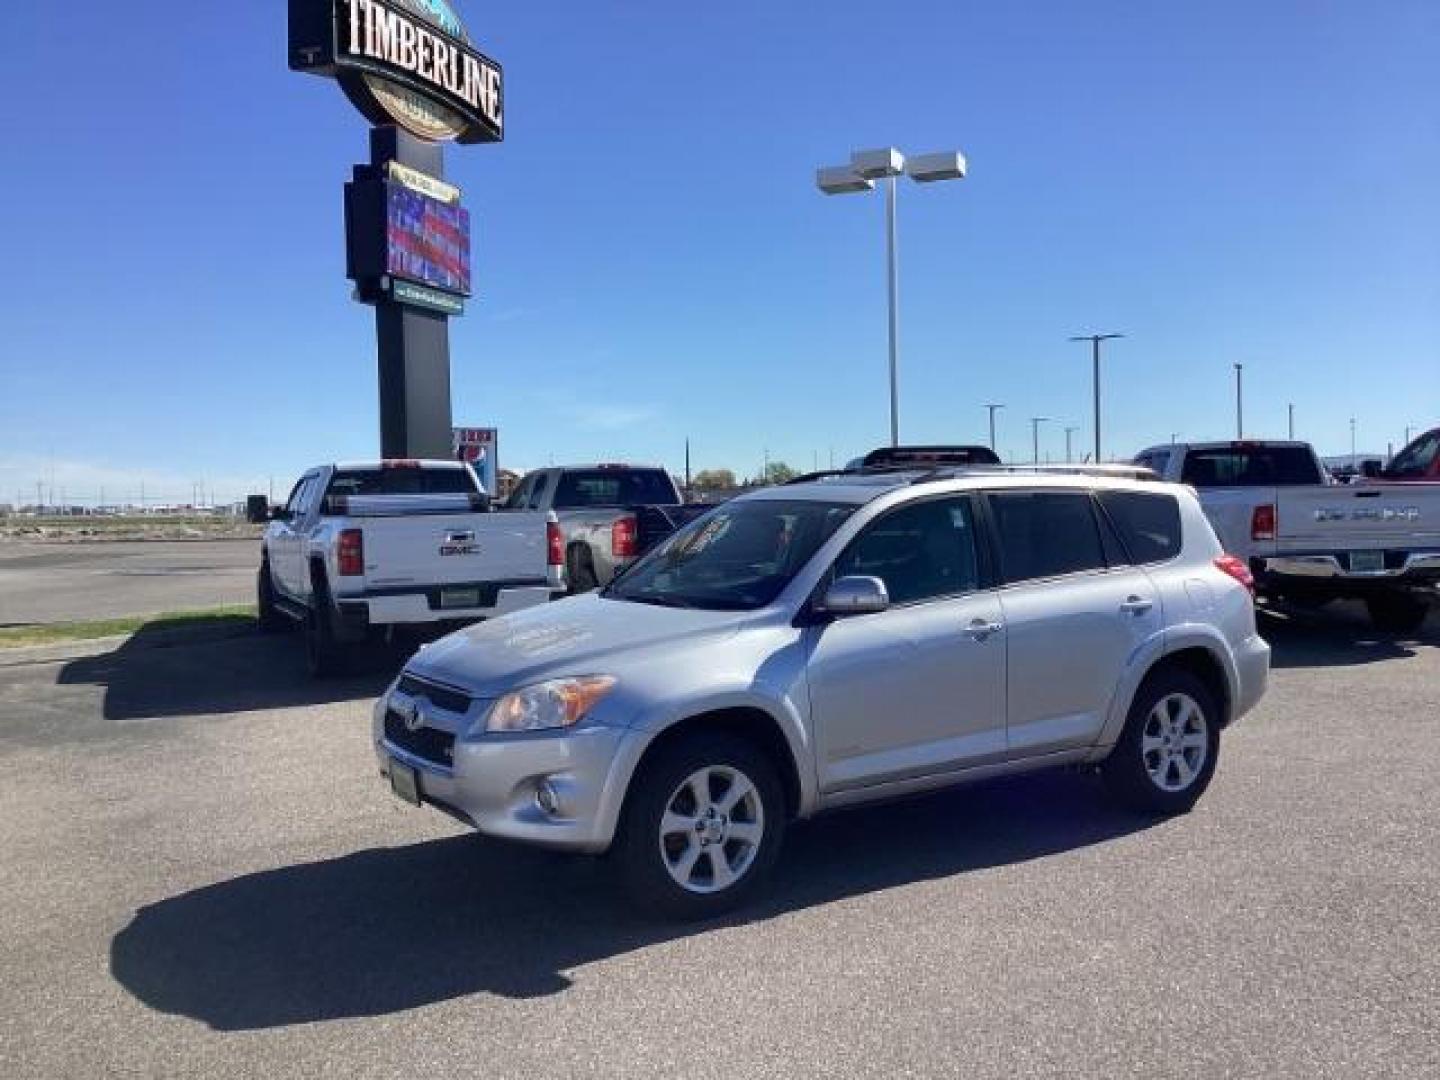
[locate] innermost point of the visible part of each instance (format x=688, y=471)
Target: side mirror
x=855, y=595
x=257, y=509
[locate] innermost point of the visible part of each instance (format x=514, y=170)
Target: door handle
x=1136, y=605
x=980, y=630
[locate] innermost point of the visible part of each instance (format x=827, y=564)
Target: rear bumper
x=396, y=607
x=1331, y=572
x=1252, y=675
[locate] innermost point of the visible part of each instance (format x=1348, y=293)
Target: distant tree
x=713, y=480
x=777, y=472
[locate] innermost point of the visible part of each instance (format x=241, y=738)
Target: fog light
x=547, y=799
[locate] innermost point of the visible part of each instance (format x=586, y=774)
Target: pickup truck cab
x=371, y=546
x=609, y=514
x=817, y=645
x=1417, y=462
x=1308, y=540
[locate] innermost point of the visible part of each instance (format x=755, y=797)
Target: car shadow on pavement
x=148, y=679
x=1337, y=635
x=389, y=929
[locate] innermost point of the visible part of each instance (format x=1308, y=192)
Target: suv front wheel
x=702, y=828
x=1166, y=754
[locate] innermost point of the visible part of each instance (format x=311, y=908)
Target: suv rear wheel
x=1166, y=754
x=702, y=828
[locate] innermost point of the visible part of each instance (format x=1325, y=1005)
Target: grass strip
x=238, y=616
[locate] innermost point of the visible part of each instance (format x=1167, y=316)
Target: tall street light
x=1095, y=340
x=1069, y=431
x=1291, y=407
x=993, y=407
x=867, y=166
x=1239, y=402
x=1035, y=422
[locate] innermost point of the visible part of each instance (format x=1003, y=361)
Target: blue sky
x=1223, y=181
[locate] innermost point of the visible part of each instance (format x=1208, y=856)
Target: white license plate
x=1367, y=562
x=450, y=598
x=405, y=782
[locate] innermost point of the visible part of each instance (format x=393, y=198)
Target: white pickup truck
x=366, y=547
x=1309, y=540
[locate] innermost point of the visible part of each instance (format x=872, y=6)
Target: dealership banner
x=478, y=447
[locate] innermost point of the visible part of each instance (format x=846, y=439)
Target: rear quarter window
x=1148, y=523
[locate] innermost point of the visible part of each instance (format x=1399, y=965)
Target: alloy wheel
x=1175, y=742
x=712, y=829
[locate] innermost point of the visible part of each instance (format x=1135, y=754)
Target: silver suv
x=843, y=640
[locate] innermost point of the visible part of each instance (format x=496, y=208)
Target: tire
x=580, y=571
x=664, y=828
x=324, y=654
x=1397, y=612
x=1167, y=752
x=269, y=618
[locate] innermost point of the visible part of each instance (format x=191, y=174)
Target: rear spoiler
x=405, y=505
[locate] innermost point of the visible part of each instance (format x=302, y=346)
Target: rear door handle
x=979, y=629
x=1136, y=605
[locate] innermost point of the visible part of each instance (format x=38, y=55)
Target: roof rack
x=1114, y=472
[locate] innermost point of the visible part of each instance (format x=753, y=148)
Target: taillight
x=1236, y=568
x=1262, y=522
x=350, y=553
x=624, y=538
x=554, y=544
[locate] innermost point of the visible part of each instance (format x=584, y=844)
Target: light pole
x=1069, y=431
x=1352, y=442
x=1408, y=428
x=1239, y=402
x=992, y=409
x=1035, y=422
x=889, y=164
x=1095, y=340
x=1291, y=407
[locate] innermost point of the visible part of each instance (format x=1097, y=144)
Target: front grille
x=427, y=743
x=452, y=701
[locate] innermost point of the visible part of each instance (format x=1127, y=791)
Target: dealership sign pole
x=410, y=69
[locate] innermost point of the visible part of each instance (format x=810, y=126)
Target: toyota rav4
x=850, y=638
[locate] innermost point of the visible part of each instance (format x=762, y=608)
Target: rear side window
x=614, y=487
x=1149, y=523
x=1250, y=466
x=1046, y=533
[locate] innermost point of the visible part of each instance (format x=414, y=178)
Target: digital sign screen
x=426, y=240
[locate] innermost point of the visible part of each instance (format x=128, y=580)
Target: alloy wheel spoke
x=1193, y=741
x=720, y=873
x=749, y=831
x=700, y=789
x=739, y=788
x=1183, y=773
x=685, y=865
x=673, y=824
x=1149, y=744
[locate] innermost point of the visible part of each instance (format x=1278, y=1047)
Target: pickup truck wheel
x=324, y=655
x=1397, y=612
x=579, y=571
x=702, y=827
x=269, y=618
x=1166, y=754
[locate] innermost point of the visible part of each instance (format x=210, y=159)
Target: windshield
x=1246, y=466
x=735, y=558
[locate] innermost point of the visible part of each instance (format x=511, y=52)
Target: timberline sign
x=406, y=62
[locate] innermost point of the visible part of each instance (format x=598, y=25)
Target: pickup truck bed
x=1310, y=540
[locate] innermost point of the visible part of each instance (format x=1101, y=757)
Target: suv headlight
x=557, y=703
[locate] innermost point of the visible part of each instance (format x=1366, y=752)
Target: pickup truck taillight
x=554, y=544
x=1236, y=568
x=625, y=538
x=1262, y=522
x=350, y=553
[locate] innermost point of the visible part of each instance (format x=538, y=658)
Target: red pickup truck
x=1418, y=461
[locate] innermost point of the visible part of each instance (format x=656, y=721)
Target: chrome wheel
x=711, y=830
x=1175, y=742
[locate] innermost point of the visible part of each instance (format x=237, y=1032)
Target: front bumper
x=492, y=782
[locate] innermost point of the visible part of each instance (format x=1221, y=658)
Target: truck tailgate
x=1365, y=517
x=445, y=549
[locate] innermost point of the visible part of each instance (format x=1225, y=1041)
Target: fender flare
x=1151, y=652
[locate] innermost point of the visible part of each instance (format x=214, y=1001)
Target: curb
x=80, y=650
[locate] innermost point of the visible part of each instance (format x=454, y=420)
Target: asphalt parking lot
x=203, y=875
x=49, y=583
